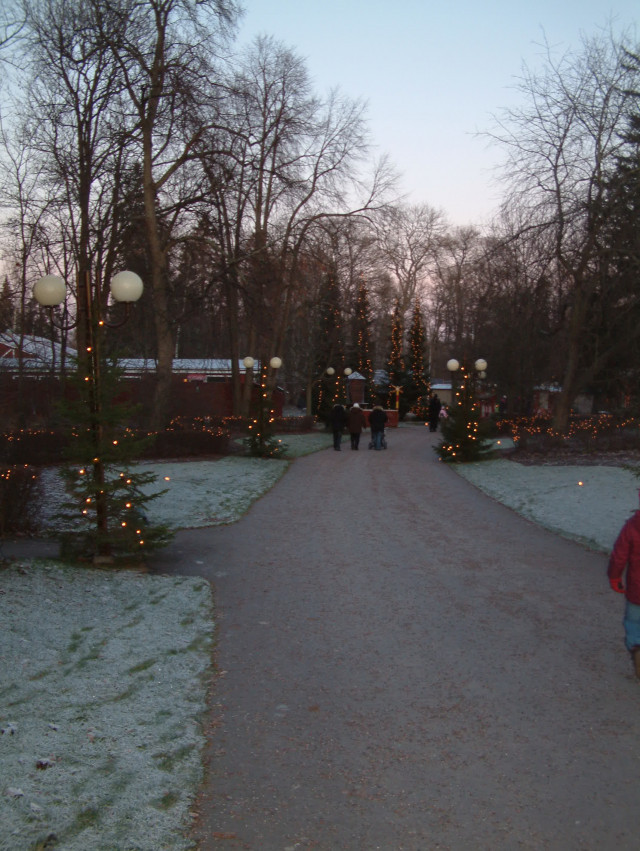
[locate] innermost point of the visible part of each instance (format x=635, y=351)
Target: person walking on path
x=377, y=420
x=356, y=421
x=625, y=556
x=435, y=406
x=338, y=422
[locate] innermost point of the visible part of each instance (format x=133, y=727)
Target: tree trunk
x=247, y=388
x=570, y=386
x=158, y=265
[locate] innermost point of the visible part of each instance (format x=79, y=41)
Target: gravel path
x=406, y=664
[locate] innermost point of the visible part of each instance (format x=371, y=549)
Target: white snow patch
x=103, y=690
x=201, y=493
x=586, y=504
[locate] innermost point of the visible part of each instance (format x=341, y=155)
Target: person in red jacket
x=624, y=577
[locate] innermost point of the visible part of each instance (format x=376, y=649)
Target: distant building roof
x=219, y=367
x=36, y=352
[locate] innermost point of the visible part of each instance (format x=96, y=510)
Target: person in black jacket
x=435, y=406
x=338, y=422
x=377, y=419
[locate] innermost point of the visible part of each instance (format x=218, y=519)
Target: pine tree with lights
x=463, y=433
x=395, y=365
x=417, y=385
x=362, y=337
x=261, y=441
x=107, y=484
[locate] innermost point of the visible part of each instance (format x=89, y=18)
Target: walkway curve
x=406, y=664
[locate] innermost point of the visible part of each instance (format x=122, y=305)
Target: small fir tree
x=104, y=515
x=261, y=441
x=463, y=433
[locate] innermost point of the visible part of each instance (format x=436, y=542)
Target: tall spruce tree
x=417, y=383
x=396, y=364
x=362, y=322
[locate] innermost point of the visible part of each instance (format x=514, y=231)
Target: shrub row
x=44, y=448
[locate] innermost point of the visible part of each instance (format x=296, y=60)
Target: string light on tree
x=261, y=441
x=462, y=435
x=362, y=336
x=104, y=501
x=417, y=385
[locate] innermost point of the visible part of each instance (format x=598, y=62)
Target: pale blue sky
x=432, y=74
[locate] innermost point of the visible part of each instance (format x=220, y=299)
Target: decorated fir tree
x=362, y=338
x=105, y=514
x=417, y=385
x=261, y=441
x=463, y=431
x=396, y=365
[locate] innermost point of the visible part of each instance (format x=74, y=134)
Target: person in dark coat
x=338, y=422
x=356, y=421
x=624, y=577
x=435, y=406
x=377, y=419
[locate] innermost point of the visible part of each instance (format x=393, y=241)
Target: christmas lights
x=462, y=437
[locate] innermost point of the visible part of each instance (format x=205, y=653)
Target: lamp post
x=126, y=287
x=453, y=366
x=330, y=371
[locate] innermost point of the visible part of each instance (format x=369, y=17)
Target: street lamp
x=453, y=366
x=126, y=287
x=330, y=372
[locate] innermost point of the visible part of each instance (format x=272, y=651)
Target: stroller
x=383, y=441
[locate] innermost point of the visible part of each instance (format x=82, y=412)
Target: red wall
x=37, y=397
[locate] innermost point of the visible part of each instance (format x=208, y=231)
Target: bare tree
x=73, y=138
x=287, y=164
x=562, y=146
x=452, y=298
x=409, y=238
x=166, y=54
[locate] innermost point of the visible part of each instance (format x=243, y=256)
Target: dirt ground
x=405, y=664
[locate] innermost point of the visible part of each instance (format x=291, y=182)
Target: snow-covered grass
x=203, y=493
x=103, y=675
x=587, y=504
x=103, y=688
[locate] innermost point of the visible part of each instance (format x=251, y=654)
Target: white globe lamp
x=126, y=287
x=49, y=291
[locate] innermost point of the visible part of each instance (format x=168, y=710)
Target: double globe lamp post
x=126, y=287
x=453, y=366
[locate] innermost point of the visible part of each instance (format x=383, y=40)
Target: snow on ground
x=103, y=681
x=103, y=675
x=587, y=504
